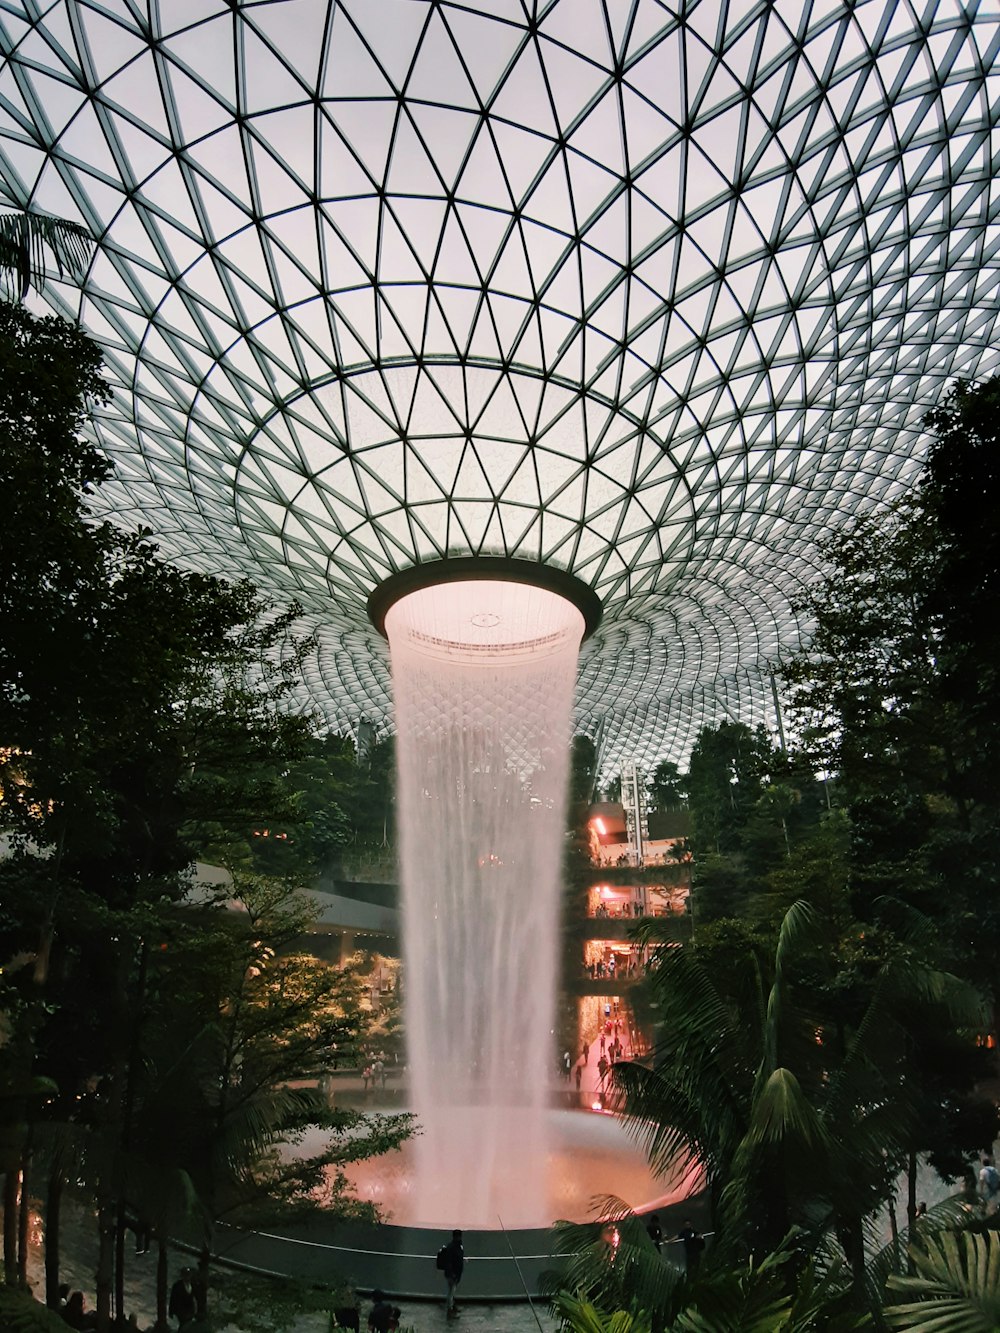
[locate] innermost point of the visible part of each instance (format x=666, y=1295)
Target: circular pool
x=591, y=1157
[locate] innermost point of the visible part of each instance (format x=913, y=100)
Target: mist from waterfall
x=483, y=675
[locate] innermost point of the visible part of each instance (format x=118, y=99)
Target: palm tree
x=24, y=239
x=796, y=1123
x=777, y=1293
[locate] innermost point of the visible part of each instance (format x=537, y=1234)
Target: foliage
x=726, y=776
x=956, y=1288
x=667, y=786
x=615, y=1264
x=581, y=1316
x=24, y=240
x=144, y=723
x=894, y=693
x=21, y=1313
x=797, y=1120
x=270, y=1305
x=246, y=1017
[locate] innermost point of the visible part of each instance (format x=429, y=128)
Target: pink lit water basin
x=591, y=1156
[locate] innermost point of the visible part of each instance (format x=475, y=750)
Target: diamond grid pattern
x=659, y=295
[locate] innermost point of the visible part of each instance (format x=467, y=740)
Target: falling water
x=483, y=675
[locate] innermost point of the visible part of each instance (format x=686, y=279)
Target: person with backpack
x=989, y=1185
x=451, y=1262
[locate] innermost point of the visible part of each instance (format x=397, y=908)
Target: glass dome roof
x=655, y=294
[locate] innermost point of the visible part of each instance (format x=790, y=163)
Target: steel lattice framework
x=655, y=293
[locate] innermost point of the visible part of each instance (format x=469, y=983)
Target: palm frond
x=747, y=1300
x=667, y=1119
x=797, y=929
x=24, y=239
x=580, y=1316
x=614, y=1261
x=260, y=1121
x=783, y=1113
x=963, y=1004
x=957, y=1286
x=953, y=1214
x=876, y=1035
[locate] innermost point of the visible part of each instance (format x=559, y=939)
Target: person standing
x=654, y=1231
x=451, y=1261
x=380, y=1315
x=693, y=1247
x=183, y=1304
x=989, y=1185
x=586, y=1052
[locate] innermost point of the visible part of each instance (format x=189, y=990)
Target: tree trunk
x=53, y=1216
x=11, y=1182
x=852, y=1239
x=201, y=1286
x=162, y=1282
x=911, y=1204
x=104, y=1277
x=24, y=1216
x=894, y=1231
x=121, y=1231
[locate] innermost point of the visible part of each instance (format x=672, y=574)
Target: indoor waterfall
x=483, y=677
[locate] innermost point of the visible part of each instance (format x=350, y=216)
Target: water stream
x=483, y=677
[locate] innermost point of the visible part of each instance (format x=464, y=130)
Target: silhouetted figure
x=451, y=1261
x=380, y=1315
x=654, y=1231
x=694, y=1245
x=75, y=1312
x=183, y=1304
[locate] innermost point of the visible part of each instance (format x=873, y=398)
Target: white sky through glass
x=657, y=295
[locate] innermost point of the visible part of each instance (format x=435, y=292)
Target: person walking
x=451, y=1261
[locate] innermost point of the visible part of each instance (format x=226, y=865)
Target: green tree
x=727, y=772
x=142, y=724
x=667, y=786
